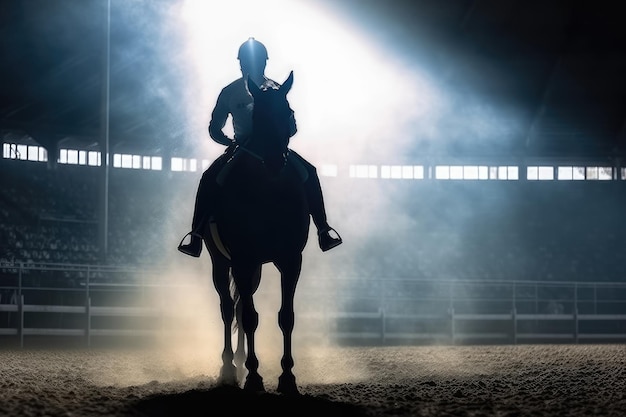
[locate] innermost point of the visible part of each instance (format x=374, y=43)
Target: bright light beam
x=347, y=93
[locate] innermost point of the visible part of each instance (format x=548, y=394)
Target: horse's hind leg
x=240, y=353
x=290, y=272
x=228, y=372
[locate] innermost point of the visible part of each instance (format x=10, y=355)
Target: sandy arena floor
x=540, y=380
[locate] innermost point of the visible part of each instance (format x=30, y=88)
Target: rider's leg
x=194, y=247
x=207, y=190
x=327, y=236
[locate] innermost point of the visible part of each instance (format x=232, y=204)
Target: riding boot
x=327, y=236
x=194, y=247
x=202, y=211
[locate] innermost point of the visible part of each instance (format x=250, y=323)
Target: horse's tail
x=234, y=293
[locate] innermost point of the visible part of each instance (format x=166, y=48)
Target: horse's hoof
x=287, y=385
x=254, y=383
x=241, y=373
x=228, y=376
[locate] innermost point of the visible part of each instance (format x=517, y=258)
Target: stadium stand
x=471, y=260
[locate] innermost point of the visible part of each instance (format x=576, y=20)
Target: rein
x=256, y=155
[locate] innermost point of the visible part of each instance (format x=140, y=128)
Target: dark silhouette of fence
x=97, y=301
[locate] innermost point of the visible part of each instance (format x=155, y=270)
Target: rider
x=236, y=101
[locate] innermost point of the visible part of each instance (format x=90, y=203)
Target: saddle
x=291, y=161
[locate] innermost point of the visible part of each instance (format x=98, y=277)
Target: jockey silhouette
x=236, y=101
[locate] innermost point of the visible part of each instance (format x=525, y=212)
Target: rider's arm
x=218, y=121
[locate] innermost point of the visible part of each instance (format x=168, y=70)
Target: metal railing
x=373, y=311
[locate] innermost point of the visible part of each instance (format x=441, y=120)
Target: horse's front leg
x=228, y=372
x=290, y=273
x=247, y=279
x=240, y=353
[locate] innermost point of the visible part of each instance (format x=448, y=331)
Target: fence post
x=88, y=321
x=451, y=313
x=19, y=280
x=576, y=324
x=452, y=329
x=20, y=315
x=514, y=318
x=383, y=326
x=87, y=282
x=576, y=330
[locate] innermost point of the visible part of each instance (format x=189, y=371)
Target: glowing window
x=393, y=171
x=72, y=156
x=62, y=156
x=363, y=171
x=177, y=164
x=470, y=172
x=43, y=154
x=33, y=153
x=599, y=173
x=127, y=160
x=442, y=172
x=93, y=158
x=540, y=173
x=156, y=163
x=184, y=164
x=567, y=173
x=456, y=172
x=402, y=171
x=418, y=172
x=22, y=152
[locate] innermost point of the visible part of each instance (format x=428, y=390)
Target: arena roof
x=561, y=62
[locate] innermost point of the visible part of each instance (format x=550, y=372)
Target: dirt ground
x=522, y=380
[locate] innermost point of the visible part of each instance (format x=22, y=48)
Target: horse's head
x=272, y=123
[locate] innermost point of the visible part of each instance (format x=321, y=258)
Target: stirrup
x=326, y=240
x=190, y=248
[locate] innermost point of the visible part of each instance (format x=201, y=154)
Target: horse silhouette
x=261, y=217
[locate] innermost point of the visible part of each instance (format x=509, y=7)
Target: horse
x=262, y=217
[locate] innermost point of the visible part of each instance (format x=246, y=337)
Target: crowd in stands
x=51, y=216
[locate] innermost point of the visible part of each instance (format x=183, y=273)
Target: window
x=540, y=173
x=184, y=164
x=93, y=158
x=402, y=171
x=24, y=152
x=476, y=172
x=418, y=172
x=599, y=173
x=363, y=171
x=585, y=173
x=570, y=173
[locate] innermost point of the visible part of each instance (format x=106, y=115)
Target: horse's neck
x=263, y=149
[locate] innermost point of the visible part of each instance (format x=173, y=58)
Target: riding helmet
x=253, y=49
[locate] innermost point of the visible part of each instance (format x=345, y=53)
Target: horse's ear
x=287, y=84
x=252, y=87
